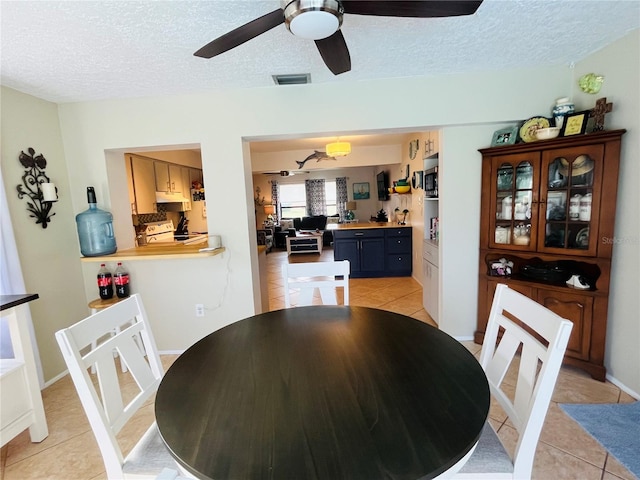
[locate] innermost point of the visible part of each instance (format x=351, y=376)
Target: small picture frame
x=505, y=136
x=361, y=191
x=575, y=124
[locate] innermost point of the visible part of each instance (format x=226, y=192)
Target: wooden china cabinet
x=547, y=218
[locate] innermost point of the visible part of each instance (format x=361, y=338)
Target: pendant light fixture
x=338, y=149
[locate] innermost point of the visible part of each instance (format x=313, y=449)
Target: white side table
x=20, y=396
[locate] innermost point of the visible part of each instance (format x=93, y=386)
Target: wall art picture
x=361, y=191
x=505, y=136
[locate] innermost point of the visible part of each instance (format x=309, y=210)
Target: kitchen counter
x=364, y=225
x=158, y=251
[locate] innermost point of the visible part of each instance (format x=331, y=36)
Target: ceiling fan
x=320, y=20
x=286, y=173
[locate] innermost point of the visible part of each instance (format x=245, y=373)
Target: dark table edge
x=10, y=301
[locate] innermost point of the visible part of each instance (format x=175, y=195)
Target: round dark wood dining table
x=323, y=392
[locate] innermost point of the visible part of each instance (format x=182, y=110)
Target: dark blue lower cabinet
x=374, y=252
x=347, y=249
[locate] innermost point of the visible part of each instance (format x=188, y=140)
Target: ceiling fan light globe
x=313, y=19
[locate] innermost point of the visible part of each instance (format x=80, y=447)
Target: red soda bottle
x=121, y=279
x=105, y=286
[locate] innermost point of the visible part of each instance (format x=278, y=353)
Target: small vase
x=562, y=108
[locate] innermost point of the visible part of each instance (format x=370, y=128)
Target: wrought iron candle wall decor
x=37, y=186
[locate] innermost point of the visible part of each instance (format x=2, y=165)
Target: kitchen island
x=375, y=249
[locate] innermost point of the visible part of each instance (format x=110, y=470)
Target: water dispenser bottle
x=95, y=229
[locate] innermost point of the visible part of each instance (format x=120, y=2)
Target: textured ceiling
x=87, y=50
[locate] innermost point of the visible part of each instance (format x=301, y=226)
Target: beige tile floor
x=565, y=451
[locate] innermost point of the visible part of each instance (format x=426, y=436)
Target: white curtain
x=11, y=279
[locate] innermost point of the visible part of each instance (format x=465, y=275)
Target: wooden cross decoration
x=598, y=113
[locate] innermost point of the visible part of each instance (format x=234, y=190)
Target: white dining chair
x=119, y=328
x=525, y=398
x=305, y=278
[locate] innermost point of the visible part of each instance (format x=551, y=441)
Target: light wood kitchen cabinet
x=143, y=179
x=549, y=208
x=168, y=177
x=185, y=175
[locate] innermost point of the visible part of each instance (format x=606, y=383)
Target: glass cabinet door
x=570, y=200
x=515, y=196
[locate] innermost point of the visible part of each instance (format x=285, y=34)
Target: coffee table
x=305, y=243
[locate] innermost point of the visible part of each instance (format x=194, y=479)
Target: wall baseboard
x=623, y=387
x=55, y=379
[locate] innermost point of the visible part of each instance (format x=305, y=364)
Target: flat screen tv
x=383, y=186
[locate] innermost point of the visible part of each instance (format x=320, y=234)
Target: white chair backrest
x=108, y=411
x=307, y=277
x=538, y=369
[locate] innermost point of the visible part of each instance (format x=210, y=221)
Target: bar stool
x=100, y=304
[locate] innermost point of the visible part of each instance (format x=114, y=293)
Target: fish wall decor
x=317, y=155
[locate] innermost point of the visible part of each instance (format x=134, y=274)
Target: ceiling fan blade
x=242, y=34
x=412, y=8
x=335, y=53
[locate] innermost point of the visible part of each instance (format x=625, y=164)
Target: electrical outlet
x=199, y=310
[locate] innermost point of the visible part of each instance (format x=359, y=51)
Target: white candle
x=49, y=193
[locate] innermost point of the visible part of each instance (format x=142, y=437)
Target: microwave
x=431, y=183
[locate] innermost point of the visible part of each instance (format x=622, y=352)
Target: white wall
x=460, y=174
x=48, y=257
x=89, y=129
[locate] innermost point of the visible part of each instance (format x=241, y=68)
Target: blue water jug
x=95, y=229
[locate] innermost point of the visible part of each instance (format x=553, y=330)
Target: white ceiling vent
x=292, y=79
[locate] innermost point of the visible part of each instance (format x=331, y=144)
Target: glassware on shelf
x=574, y=206
x=522, y=234
x=584, y=214
x=524, y=176
x=558, y=173
x=507, y=208
x=554, y=235
x=503, y=235
x=556, y=206
x=522, y=208
x=505, y=177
